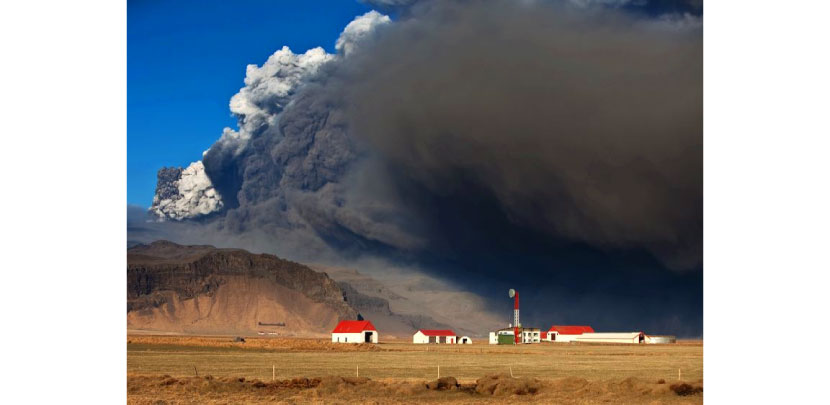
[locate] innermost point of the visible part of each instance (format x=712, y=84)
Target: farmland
x=590, y=373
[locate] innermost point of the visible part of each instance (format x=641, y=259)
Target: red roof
x=571, y=329
x=437, y=332
x=353, y=327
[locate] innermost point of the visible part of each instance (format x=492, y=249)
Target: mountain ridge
x=202, y=289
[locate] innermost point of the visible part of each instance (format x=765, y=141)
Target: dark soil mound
x=443, y=383
x=684, y=389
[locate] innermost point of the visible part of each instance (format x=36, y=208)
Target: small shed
x=423, y=336
x=465, y=340
x=505, y=339
x=354, y=332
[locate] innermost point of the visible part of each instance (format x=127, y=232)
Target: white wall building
x=526, y=335
x=529, y=335
x=354, y=332
x=465, y=340
x=617, y=337
x=424, y=336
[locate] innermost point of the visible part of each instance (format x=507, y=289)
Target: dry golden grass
x=571, y=373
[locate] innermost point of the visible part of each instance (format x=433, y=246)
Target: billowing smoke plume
x=493, y=143
x=583, y=126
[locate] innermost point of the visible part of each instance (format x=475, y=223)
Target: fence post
x=439, y=371
x=678, y=374
x=273, y=372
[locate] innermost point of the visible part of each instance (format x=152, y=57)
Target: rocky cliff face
x=209, y=290
x=364, y=303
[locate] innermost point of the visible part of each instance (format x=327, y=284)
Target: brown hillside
x=202, y=289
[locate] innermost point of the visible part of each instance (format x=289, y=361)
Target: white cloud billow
x=268, y=89
x=357, y=30
x=195, y=197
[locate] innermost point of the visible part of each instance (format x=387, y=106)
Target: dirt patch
x=569, y=384
x=333, y=385
x=169, y=381
x=503, y=384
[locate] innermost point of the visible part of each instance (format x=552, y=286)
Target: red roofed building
x=567, y=333
x=354, y=332
x=434, y=336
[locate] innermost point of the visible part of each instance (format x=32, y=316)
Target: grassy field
x=262, y=358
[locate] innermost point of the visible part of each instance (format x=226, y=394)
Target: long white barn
x=617, y=337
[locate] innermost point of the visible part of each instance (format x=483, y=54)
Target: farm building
x=434, y=336
x=617, y=337
x=354, y=332
x=506, y=336
x=465, y=340
x=502, y=337
x=566, y=333
x=582, y=333
x=530, y=335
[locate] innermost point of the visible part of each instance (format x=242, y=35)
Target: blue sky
x=185, y=59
